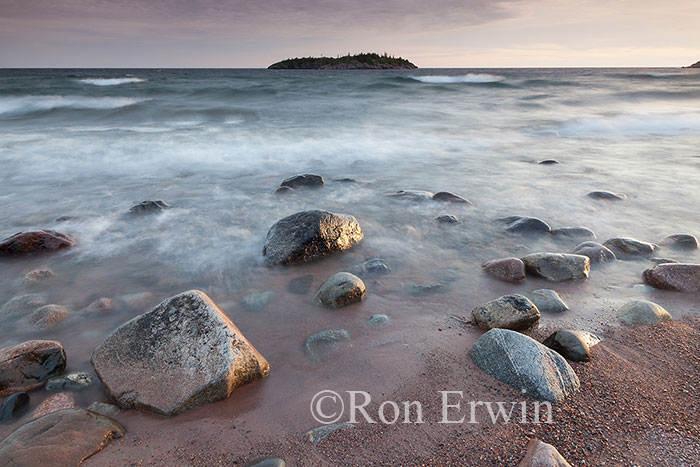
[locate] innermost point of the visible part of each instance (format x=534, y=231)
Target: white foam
x=27, y=104
x=468, y=78
x=110, y=81
x=633, y=125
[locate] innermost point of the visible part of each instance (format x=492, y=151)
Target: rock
x=345, y=180
x=27, y=365
x=681, y=241
x=663, y=260
x=424, y=290
x=595, y=251
x=371, y=267
x=69, y=382
x=450, y=198
x=49, y=316
x=541, y=454
x=681, y=277
x=642, y=312
x=607, y=196
x=67, y=219
x=54, y=403
x=506, y=269
x=528, y=226
x=508, y=312
x=378, y=321
x=625, y=248
x=548, y=162
x=320, y=346
x=341, y=289
x=413, y=195
x=14, y=406
x=284, y=190
x=573, y=345
x=19, y=307
x=547, y=301
x=318, y=434
x=36, y=277
x=558, y=267
x=267, y=462
x=101, y=305
x=310, y=235
x=447, y=219
x=66, y=437
x=303, y=181
x=257, y=301
x=149, y=207
x=300, y=285
x=38, y=241
x=523, y=363
x=574, y=233
x=186, y=344
x=108, y=410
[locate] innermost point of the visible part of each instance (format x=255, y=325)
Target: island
x=694, y=65
x=364, y=61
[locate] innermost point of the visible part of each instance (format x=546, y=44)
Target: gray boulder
x=450, y=198
x=578, y=233
x=303, y=181
x=557, y=267
x=310, y=235
x=322, y=345
x=607, y=195
x=527, y=225
x=27, y=365
x=508, y=312
x=523, y=363
x=628, y=248
x=505, y=269
x=572, y=345
x=447, y=219
x=341, y=289
x=681, y=277
x=680, y=241
x=187, y=345
x=547, y=301
x=642, y=312
x=371, y=267
x=595, y=251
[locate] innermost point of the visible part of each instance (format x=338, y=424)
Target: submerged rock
x=663, y=260
x=573, y=345
x=19, y=307
x=341, y=289
x=547, y=301
x=319, y=347
x=506, y=269
x=108, y=410
x=38, y=241
x=186, y=344
x=38, y=276
x=681, y=241
x=267, y=462
x=541, y=454
x=515, y=312
x=101, y=305
x=523, y=363
x=527, y=225
x=49, y=316
x=149, y=207
x=27, y=365
x=284, y=190
x=255, y=302
x=450, y=198
x=578, y=233
x=413, y=195
x=595, y=251
x=681, y=277
x=607, y=195
x=54, y=403
x=424, y=290
x=66, y=437
x=303, y=181
x=548, y=162
x=557, y=267
x=378, y=320
x=447, y=219
x=642, y=312
x=371, y=267
x=300, y=285
x=14, y=406
x=626, y=248
x=69, y=382
x=318, y=434
x=310, y=235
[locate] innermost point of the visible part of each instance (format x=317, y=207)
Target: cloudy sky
x=431, y=33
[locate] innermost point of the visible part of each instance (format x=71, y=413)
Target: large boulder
x=557, y=267
x=310, y=235
x=681, y=241
x=595, y=251
x=642, y=312
x=341, y=289
x=66, y=437
x=38, y=241
x=572, y=345
x=186, y=345
x=303, y=181
x=547, y=301
x=506, y=269
x=681, y=277
x=628, y=248
x=507, y=312
x=541, y=454
x=29, y=364
x=522, y=362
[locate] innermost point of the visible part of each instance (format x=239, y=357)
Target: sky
x=430, y=33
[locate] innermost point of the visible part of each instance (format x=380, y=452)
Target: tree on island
x=362, y=61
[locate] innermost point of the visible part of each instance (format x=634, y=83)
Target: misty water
x=215, y=144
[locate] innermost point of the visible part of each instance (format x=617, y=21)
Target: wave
x=626, y=125
x=110, y=81
x=468, y=78
x=12, y=106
